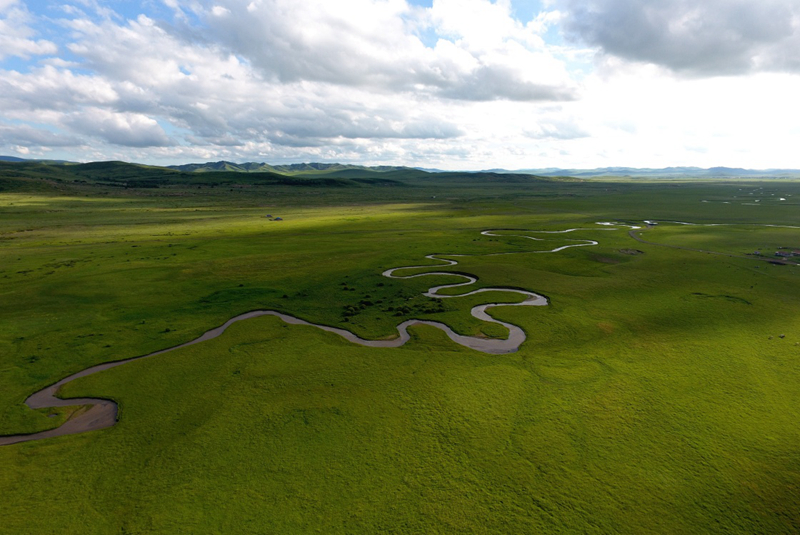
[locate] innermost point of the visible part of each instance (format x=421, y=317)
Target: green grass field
x=655, y=394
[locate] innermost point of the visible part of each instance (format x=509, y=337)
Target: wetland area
x=653, y=386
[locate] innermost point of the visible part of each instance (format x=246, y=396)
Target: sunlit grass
x=654, y=394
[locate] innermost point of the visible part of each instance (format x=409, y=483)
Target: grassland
x=654, y=395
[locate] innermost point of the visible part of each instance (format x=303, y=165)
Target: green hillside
x=290, y=169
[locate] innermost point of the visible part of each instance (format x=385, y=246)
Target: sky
x=448, y=84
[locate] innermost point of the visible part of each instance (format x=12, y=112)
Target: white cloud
x=127, y=129
x=205, y=90
x=52, y=88
x=298, y=76
x=711, y=37
x=457, y=85
x=12, y=134
x=645, y=117
x=375, y=44
x=557, y=128
x=17, y=35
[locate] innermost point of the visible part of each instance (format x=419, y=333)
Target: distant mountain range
x=666, y=172
x=15, y=159
x=351, y=171
x=292, y=169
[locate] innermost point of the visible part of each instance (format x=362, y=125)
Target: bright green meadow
x=659, y=392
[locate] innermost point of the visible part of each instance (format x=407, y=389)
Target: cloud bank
x=457, y=84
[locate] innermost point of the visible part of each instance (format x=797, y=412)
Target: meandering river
x=102, y=413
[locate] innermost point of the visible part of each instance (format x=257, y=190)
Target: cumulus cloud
x=127, y=129
x=459, y=84
x=219, y=98
x=376, y=44
x=275, y=76
x=17, y=37
x=23, y=134
x=711, y=37
x=52, y=88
